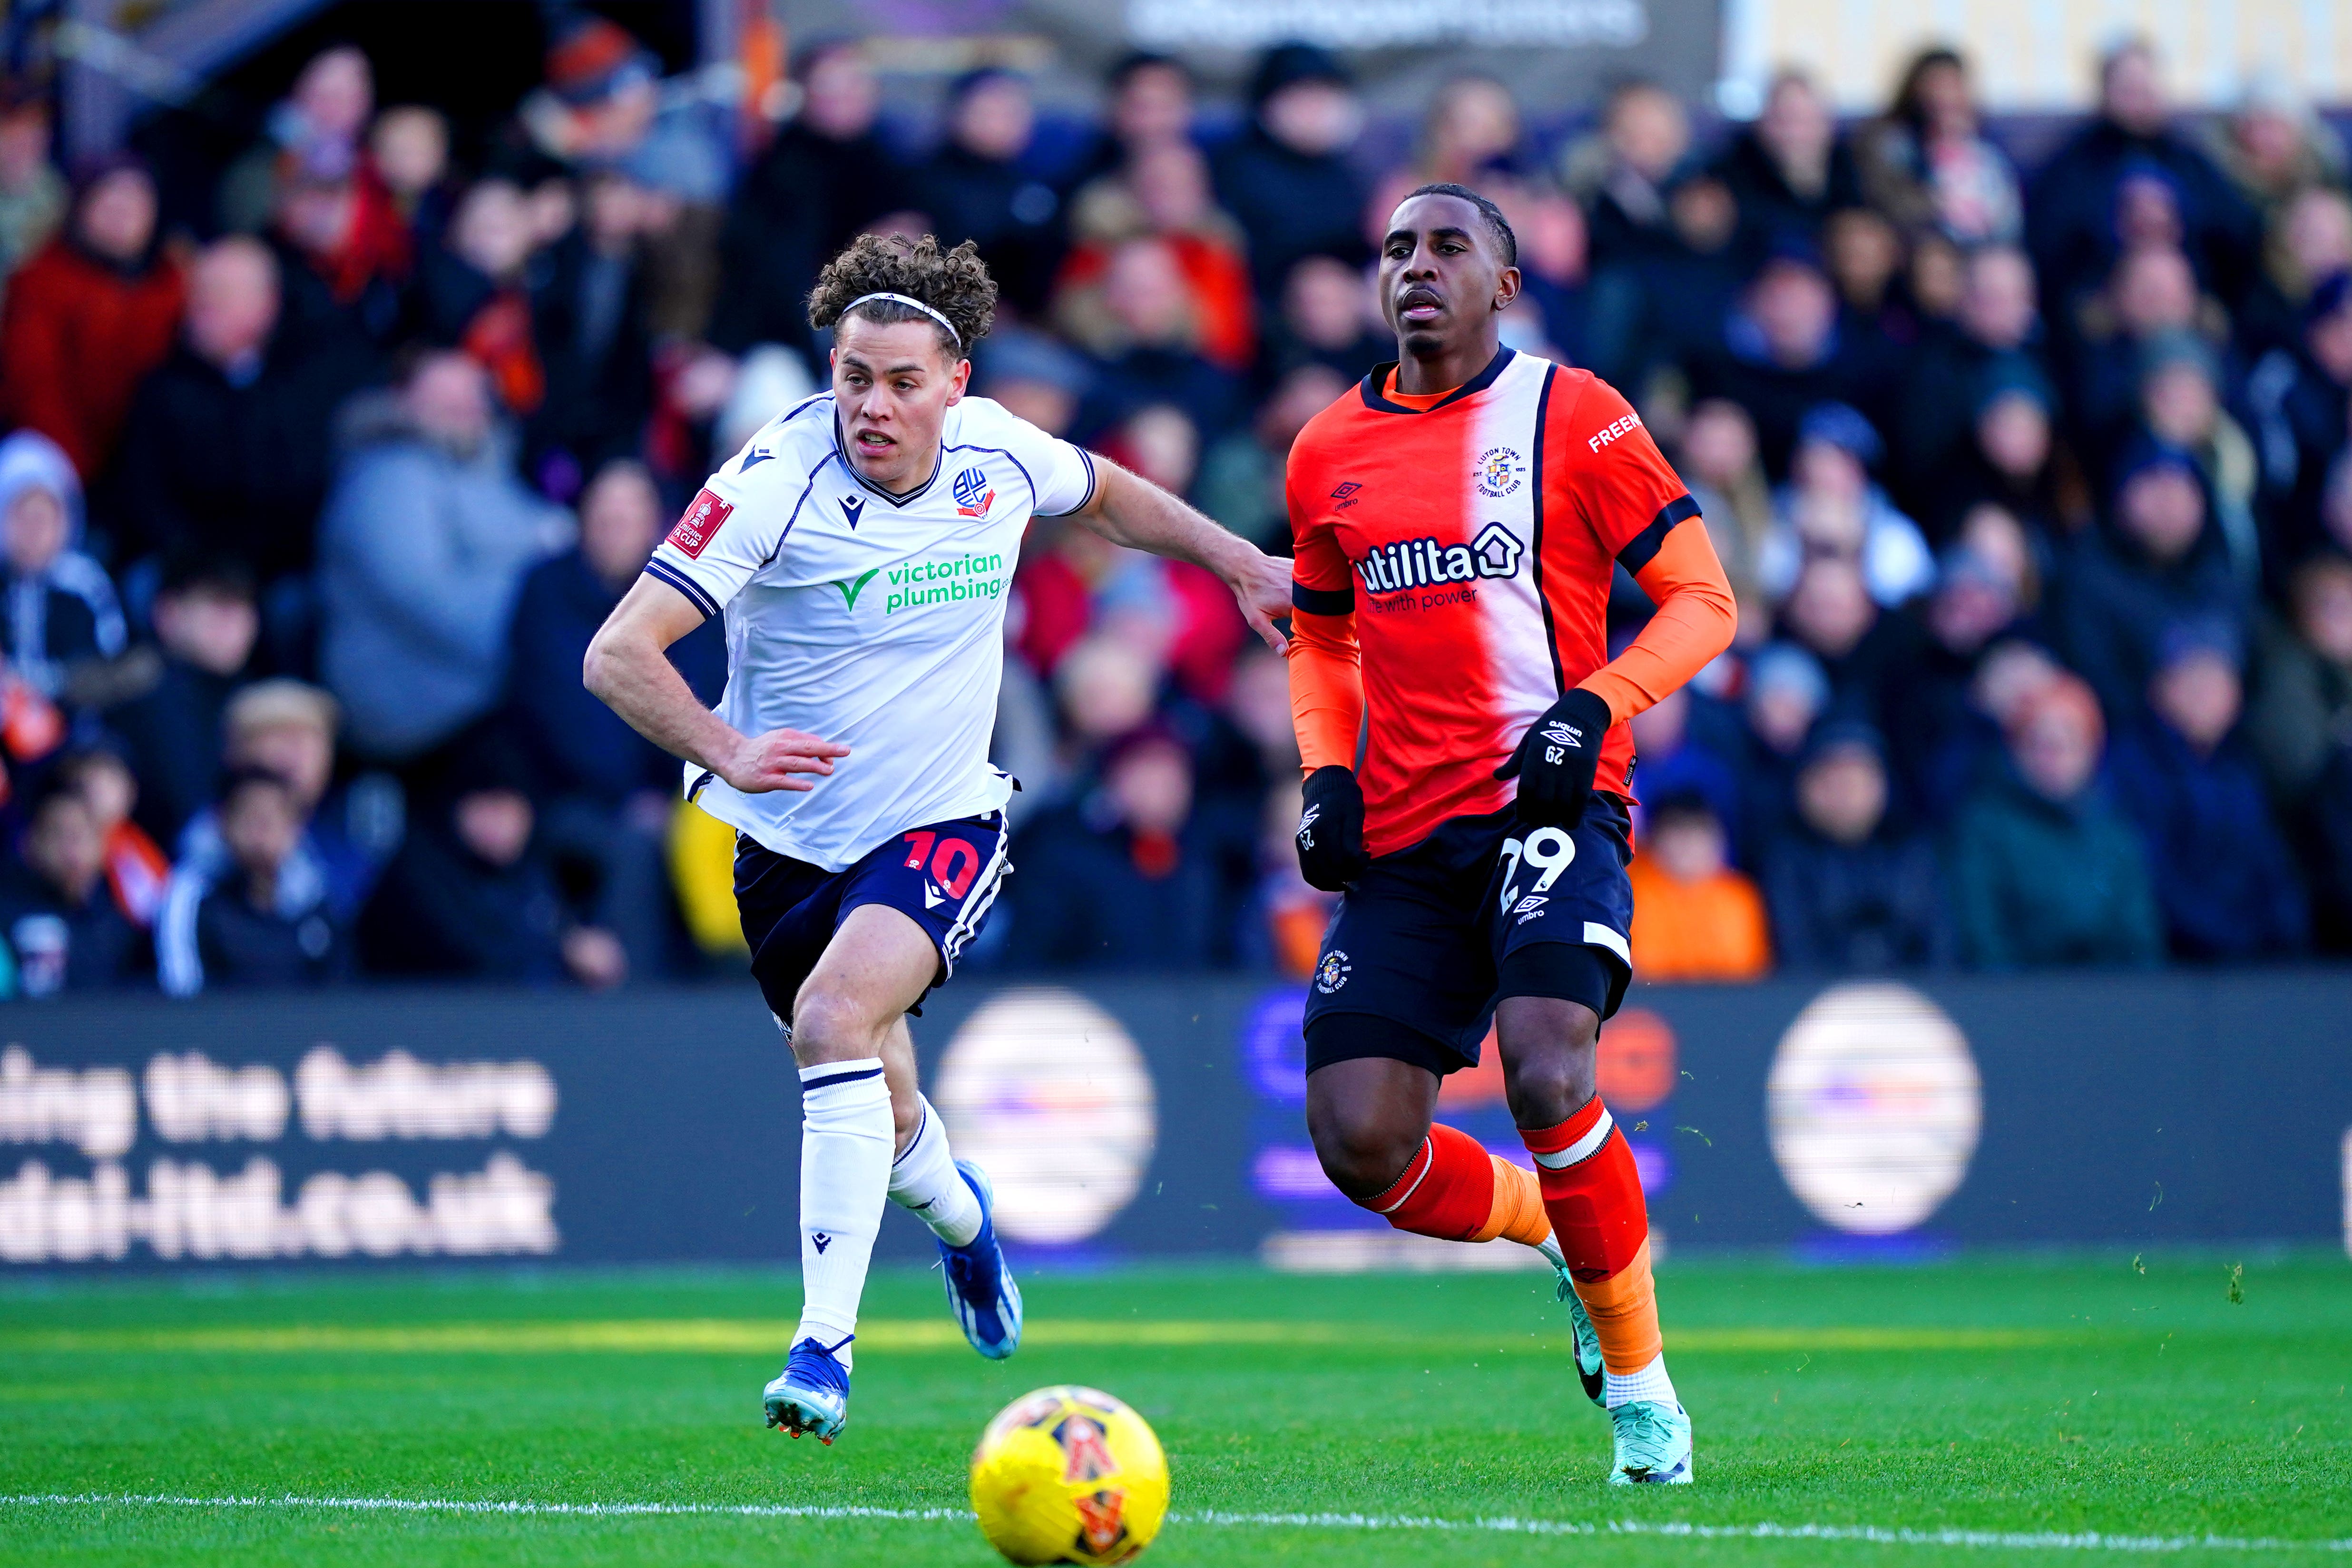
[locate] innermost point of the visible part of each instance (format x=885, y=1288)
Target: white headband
x=918, y=304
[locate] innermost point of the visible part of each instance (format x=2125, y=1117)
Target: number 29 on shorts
x=1547, y=850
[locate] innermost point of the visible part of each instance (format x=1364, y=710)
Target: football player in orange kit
x=1458, y=519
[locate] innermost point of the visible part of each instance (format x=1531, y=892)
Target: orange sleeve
x=1695, y=618
x=1327, y=688
x=1327, y=676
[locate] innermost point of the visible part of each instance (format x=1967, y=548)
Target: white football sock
x=1650, y=1383
x=925, y=1180
x=846, y=1135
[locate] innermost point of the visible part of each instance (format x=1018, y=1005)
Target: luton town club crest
x=1499, y=471
x=1332, y=972
x=972, y=496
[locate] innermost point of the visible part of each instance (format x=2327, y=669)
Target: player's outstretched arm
x=1131, y=511
x=628, y=667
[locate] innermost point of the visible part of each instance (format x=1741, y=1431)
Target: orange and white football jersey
x=1472, y=535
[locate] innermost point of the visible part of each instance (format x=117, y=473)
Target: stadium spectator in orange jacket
x=1695, y=918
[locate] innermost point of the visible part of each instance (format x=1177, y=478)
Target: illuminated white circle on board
x=1874, y=1107
x=1046, y=1093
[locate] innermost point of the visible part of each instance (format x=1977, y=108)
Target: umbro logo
x=1306, y=827
x=821, y=1240
x=1563, y=734
x=853, y=507
x=1346, y=495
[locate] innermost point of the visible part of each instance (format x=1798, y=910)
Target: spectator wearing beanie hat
x=2155, y=559
x=1849, y=889
x=2224, y=877
x=57, y=606
x=2044, y=870
x=1831, y=505
x=1287, y=177
x=604, y=107
x=1787, y=693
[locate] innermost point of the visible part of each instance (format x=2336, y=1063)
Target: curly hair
x=954, y=282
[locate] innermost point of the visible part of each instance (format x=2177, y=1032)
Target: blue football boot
x=812, y=1394
x=980, y=1291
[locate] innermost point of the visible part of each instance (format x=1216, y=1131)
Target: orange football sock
x=1518, y=1214
x=1593, y=1194
x=1447, y=1191
x=1624, y=1312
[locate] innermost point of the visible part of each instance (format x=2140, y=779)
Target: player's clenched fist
x=1332, y=830
x=767, y=762
x=1556, y=759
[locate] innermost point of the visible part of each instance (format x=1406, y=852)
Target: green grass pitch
x=2016, y=1397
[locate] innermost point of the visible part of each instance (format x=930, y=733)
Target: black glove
x=1332, y=830
x=1556, y=758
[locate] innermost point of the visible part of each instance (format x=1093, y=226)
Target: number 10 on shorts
x=1549, y=851
x=952, y=865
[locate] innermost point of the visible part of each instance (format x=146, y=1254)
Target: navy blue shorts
x=1422, y=938
x=945, y=878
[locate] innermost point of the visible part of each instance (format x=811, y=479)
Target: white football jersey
x=867, y=618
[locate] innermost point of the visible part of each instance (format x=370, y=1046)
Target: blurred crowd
x=2033, y=484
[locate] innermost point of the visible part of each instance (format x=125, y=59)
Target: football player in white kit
x=861, y=546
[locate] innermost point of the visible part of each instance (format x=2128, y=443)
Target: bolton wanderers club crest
x=1500, y=471
x=1332, y=972
x=972, y=496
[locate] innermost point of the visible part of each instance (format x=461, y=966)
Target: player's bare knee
x=830, y=1025
x=1548, y=1047
x=1363, y=1148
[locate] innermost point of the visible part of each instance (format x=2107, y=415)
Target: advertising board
x=1143, y=1118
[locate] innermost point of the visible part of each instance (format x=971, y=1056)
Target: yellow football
x=1069, y=1475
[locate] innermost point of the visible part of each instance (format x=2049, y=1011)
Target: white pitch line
x=1866, y=1534
x=475, y=1505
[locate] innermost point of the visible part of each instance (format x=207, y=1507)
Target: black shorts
x=1431, y=937
x=945, y=878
